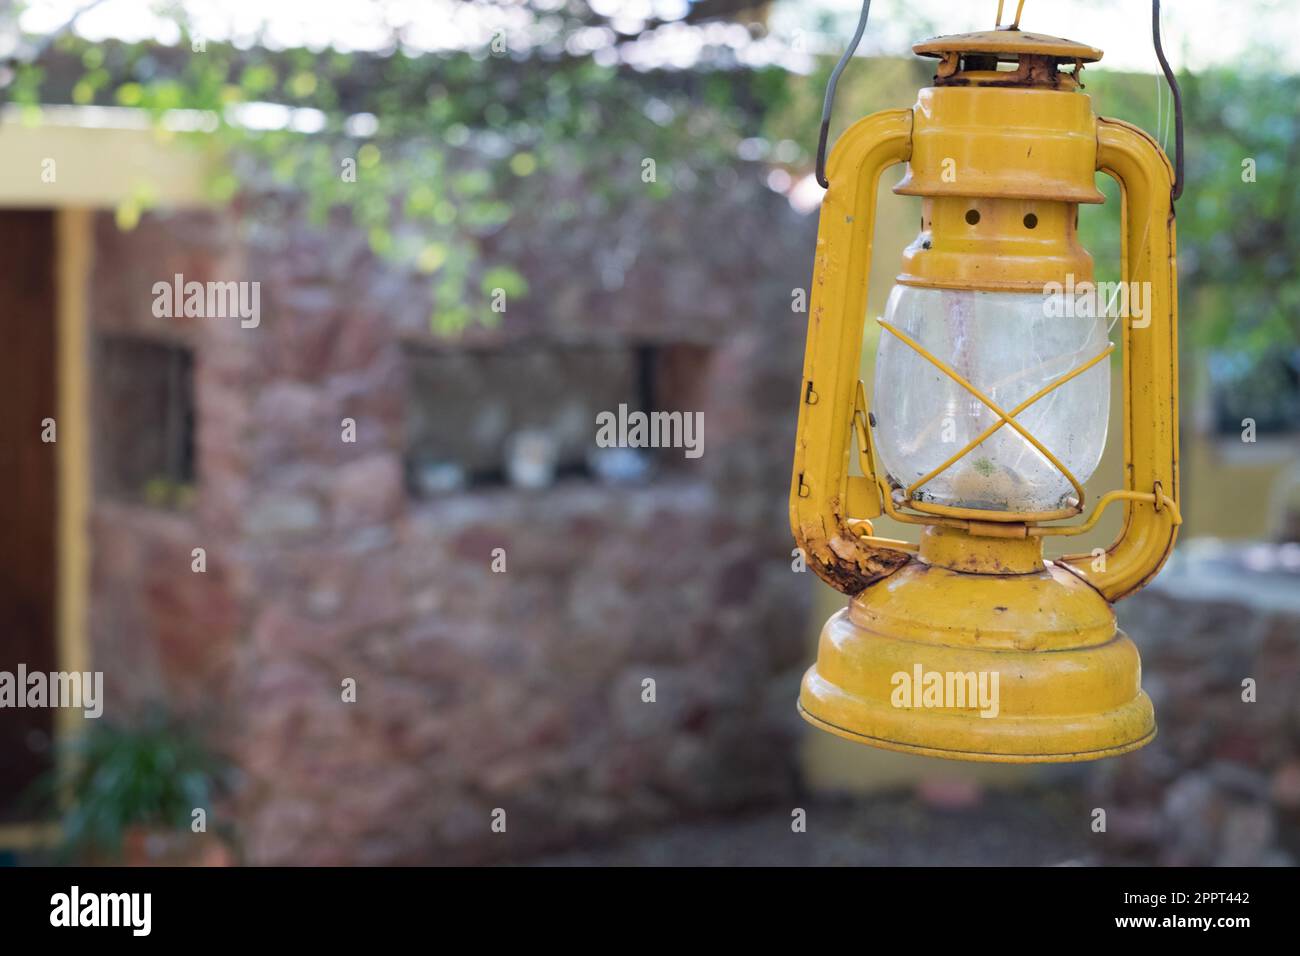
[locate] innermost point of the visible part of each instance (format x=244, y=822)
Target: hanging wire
x=1178, y=101
x=1161, y=88
x=830, y=94
x=1169, y=122
x=1015, y=25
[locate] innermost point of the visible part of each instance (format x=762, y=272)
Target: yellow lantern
x=988, y=413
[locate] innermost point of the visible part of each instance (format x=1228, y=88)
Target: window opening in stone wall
x=146, y=421
x=527, y=417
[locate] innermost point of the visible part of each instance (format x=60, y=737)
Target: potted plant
x=130, y=793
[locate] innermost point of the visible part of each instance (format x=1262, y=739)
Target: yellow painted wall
x=95, y=157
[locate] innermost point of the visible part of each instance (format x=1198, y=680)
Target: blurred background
x=360, y=583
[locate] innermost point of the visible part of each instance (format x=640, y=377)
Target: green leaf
x=511, y=282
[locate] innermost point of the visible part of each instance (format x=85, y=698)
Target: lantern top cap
x=1008, y=45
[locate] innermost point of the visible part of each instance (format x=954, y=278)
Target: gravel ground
x=1027, y=829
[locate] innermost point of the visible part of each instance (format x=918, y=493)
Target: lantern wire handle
x=1015, y=25
x=830, y=94
x=1178, y=100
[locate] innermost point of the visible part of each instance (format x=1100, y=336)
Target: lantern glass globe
x=1009, y=345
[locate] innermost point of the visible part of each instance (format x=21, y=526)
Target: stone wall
x=1220, y=784
x=158, y=630
x=522, y=690
x=475, y=690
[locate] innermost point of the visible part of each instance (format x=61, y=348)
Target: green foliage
x=457, y=156
x=1238, y=241
x=153, y=774
x=434, y=157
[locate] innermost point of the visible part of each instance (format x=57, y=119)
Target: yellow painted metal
x=1147, y=255
x=1066, y=680
x=995, y=245
x=1015, y=24
x=977, y=598
x=1008, y=45
x=861, y=492
x=1157, y=499
x=819, y=517
x=994, y=143
x=1014, y=553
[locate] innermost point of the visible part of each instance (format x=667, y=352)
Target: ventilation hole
x=1030, y=220
x=972, y=216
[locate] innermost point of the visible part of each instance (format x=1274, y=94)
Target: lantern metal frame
x=977, y=592
x=862, y=154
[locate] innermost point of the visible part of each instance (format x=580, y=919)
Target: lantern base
x=1008, y=668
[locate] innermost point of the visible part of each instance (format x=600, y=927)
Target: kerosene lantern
x=988, y=413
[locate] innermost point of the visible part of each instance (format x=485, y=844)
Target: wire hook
x=1178, y=101
x=830, y=94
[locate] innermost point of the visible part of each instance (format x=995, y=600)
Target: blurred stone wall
x=475, y=690
x=1220, y=784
